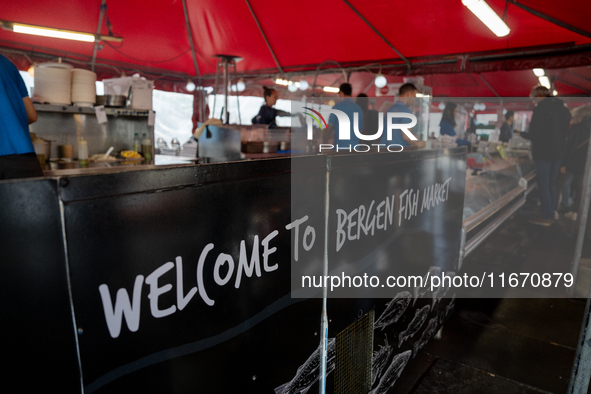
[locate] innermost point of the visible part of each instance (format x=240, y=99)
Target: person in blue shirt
x=267, y=113
x=406, y=99
x=17, y=156
x=448, y=121
x=349, y=107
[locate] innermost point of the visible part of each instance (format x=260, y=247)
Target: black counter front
x=148, y=281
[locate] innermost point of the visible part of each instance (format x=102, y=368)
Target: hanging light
x=240, y=86
x=304, y=84
x=292, y=87
x=55, y=33
x=555, y=93
x=544, y=81
x=482, y=10
x=539, y=72
x=441, y=106
x=190, y=86
x=380, y=81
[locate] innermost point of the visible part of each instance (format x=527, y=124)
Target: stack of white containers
x=58, y=83
x=53, y=83
x=83, y=87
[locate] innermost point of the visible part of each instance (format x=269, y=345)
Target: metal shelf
x=72, y=109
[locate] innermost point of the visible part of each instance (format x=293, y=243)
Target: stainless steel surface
x=219, y=144
x=581, y=372
x=114, y=100
x=72, y=109
x=63, y=124
x=492, y=226
x=474, y=220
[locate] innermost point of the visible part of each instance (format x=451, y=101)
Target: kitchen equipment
x=47, y=148
x=108, y=152
x=66, y=152
x=114, y=100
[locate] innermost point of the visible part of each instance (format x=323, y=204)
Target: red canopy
x=433, y=37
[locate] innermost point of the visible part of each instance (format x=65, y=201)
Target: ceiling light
x=544, y=81
x=482, y=10
x=240, y=86
x=56, y=33
x=304, y=85
x=380, y=81
x=292, y=87
x=190, y=86
x=539, y=72
x=555, y=93
x=330, y=89
x=282, y=82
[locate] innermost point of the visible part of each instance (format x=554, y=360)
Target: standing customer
x=576, y=154
x=507, y=127
x=17, y=156
x=547, y=131
x=406, y=98
x=349, y=107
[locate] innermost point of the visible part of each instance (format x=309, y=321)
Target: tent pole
x=98, y=31
x=408, y=65
x=264, y=37
x=550, y=19
x=190, y=34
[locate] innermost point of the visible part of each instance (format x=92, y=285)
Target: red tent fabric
x=435, y=37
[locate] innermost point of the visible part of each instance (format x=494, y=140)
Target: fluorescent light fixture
x=380, y=81
x=544, y=81
x=282, y=82
x=420, y=95
x=482, y=10
x=539, y=72
x=330, y=89
x=55, y=33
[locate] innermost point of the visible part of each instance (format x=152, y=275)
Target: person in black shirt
x=507, y=127
x=371, y=116
x=267, y=113
x=549, y=124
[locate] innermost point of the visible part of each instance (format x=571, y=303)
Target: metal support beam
x=581, y=372
x=264, y=37
x=570, y=84
x=488, y=85
x=98, y=32
x=408, y=65
x=190, y=34
x=550, y=19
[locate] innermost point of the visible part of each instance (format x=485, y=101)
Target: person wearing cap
x=17, y=156
x=406, y=98
x=547, y=131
